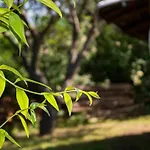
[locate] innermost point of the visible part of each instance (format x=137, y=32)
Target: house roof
x=132, y=16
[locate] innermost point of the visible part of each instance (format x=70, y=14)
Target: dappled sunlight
x=75, y=60
x=104, y=130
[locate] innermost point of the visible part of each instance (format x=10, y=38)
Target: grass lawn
x=131, y=134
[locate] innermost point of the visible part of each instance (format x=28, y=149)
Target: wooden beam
x=138, y=27
x=134, y=19
x=130, y=16
x=112, y=13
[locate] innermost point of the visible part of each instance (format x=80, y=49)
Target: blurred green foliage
x=51, y=55
x=120, y=58
x=73, y=121
x=114, y=56
x=8, y=55
x=115, y=52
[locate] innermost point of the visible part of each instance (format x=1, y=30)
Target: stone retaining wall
x=116, y=101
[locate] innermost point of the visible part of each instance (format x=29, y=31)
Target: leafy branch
x=28, y=111
x=10, y=21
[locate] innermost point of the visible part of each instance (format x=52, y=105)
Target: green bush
x=115, y=53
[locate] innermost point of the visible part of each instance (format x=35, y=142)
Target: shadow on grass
x=91, y=137
x=36, y=140
x=131, y=142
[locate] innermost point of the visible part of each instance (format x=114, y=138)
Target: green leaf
x=3, y=11
x=22, y=100
x=89, y=97
x=74, y=3
x=16, y=8
x=32, y=81
x=5, y=67
x=24, y=23
x=33, y=117
x=44, y=109
x=52, y=5
x=3, y=29
x=13, y=70
x=2, y=137
x=17, y=80
x=23, y=3
x=20, y=43
x=9, y=3
x=29, y=118
x=2, y=83
x=11, y=139
x=35, y=105
x=20, y=47
x=68, y=102
x=3, y=26
x=94, y=94
x=16, y=24
x=79, y=94
x=4, y=134
x=5, y=20
x=51, y=99
x=24, y=124
x=58, y=94
x=69, y=88
x=42, y=105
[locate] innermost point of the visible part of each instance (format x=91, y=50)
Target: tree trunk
x=47, y=123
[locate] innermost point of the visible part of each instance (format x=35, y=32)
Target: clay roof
x=132, y=16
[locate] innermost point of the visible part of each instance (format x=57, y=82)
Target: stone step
x=113, y=87
x=132, y=110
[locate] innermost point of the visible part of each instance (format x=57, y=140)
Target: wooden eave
x=132, y=16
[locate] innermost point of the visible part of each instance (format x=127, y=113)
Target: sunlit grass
x=82, y=134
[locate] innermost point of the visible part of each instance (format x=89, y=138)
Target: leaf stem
x=70, y=91
x=11, y=10
x=16, y=86
x=32, y=92
x=8, y=119
x=15, y=114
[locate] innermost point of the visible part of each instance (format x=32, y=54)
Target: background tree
x=80, y=22
x=121, y=59
x=115, y=52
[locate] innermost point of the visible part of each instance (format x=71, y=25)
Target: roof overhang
x=132, y=16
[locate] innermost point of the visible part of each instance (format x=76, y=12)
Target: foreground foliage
x=11, y=21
